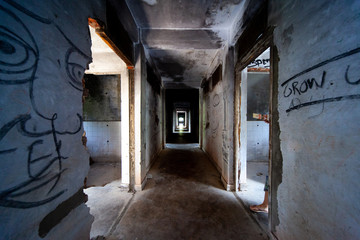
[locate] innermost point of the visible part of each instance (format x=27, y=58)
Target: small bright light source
x=181, y=126
x=181, y=119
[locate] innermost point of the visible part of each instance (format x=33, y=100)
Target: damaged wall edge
x=276, y=159
x=60, y=212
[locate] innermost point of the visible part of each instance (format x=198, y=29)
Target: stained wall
x=213, y=124
x=318, y=106
x=153, y=125
x=148, y=123
x=258, y=97
x=218, y=116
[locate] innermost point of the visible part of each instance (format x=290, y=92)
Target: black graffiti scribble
x=74, y=70
x=326, y=100
x=333, y=59
x=292, y=87
x=347, y=77
x=300, y=87
x=19, y=58
x=258, y=62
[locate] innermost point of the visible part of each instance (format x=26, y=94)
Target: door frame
x=240, y=138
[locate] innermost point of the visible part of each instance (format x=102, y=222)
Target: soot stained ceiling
x=183, y=37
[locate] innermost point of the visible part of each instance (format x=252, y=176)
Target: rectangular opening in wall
x=102, y=98
x=255, y=92
x=102, y=127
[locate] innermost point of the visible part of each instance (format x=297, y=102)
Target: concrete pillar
x=243, y=128
x=201, y=119
x=138, y=117
x=125, y=128
x=163, y=117
x=228, y=127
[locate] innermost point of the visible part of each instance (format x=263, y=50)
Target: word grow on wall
x=333, y=80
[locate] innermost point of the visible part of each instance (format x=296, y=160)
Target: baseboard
x=218, y=168
x=228, y=187
x=140, y=187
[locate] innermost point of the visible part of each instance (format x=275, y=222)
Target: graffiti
x=326, y=100
x=216, y=100
x=347, y=77
x=314, y=90
x=260, y=63
x=36, y=158
x=304, y=86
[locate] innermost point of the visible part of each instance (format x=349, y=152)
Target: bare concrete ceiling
x=182, y=37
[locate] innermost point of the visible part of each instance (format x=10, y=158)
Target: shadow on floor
x=184, y=199
x=102, y=173
x=184, y=166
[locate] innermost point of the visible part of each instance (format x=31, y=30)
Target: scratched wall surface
x=214, y=124
x=44, y=50
x=319, y=110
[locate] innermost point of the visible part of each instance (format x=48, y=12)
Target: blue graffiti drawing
x=36, y=125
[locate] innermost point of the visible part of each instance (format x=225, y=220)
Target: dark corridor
x=182, y=115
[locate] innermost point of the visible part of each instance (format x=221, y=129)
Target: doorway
x=182, y=116
x=255, y=101
x=251, y=61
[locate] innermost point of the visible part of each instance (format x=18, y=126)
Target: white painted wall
x=104, y=140
x=148, y=133
x=214, y=122
x=218, y=118
x=257, y=141
x=320, y=132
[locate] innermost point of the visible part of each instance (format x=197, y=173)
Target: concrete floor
x=183, y=199
x=101, y=174
x=253, y=192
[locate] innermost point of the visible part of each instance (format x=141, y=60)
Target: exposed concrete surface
x=101, y=174
x=184, y=199
x=318, y=196
x=183, y=29
x=106, y=205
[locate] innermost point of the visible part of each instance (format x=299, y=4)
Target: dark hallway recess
x=185, y=199
x=182, y=102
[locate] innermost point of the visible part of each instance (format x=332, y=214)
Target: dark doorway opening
x=182, y=115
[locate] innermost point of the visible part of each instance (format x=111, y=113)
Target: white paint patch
x=150, y=2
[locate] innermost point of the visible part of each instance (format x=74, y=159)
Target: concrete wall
x=102, y=107
x=153, y=123
x=257, y=141
x=218, y=118
x=258, y=94
x=46, y=48
x=148, y=115
x=214, y=122
x=319, y=110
